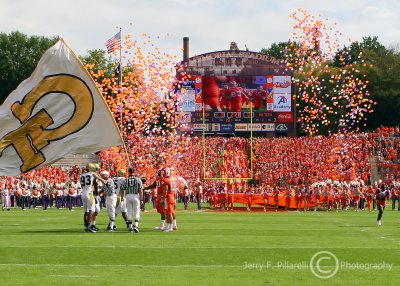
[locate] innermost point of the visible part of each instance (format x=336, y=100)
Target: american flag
x=114, y=43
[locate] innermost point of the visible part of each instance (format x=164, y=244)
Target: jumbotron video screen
x=238, y=104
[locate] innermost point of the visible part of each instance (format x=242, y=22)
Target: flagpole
x=122, y=100
x=120, y=78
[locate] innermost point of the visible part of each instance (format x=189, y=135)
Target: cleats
x=89, y=229
x=114, y=227
x=169, y=228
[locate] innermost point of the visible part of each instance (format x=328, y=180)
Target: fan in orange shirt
x=265, y=198
x=288, y=198
x=317, y=197
x=198, y=191
x=185, y=196
x=231, y=193
x=249, y=195
x=298, y=199
x=168, y=199
x=369, y=195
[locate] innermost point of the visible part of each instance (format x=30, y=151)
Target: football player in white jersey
x=108, y=190
x=121, y=201
x=87, y=181
x=96, y=194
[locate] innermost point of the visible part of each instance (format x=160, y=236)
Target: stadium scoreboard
x=236, y=92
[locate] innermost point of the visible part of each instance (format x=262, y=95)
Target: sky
x=211, y=25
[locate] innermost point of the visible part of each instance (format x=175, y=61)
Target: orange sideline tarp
x=258, y=199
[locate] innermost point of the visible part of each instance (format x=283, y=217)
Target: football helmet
x=121, y=173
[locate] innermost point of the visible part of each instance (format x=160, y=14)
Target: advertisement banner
x=215, y=127
x=282, y=102
x=268, y=127
x=286, y=117
x=199, y=127
x=188, y=96
x=228, y=128
x=282, y=84
x=283, y=128
x=241, y=127
x=261, y=80
x=254, y=127
x=198, y=85
x=270, y=93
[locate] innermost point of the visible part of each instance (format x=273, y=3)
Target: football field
x=210, y=248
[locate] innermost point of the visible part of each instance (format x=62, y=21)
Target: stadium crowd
x=385, y=144
x=332, y=172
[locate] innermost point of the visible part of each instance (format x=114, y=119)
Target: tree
x=384, y=75
x=19, y=55
x=276, y=50
x=280, y=50
x=98, y=61
x=381, y=66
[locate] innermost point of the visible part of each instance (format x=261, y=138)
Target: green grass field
x=210, y=248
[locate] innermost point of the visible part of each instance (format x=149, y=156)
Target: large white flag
x=57, y=111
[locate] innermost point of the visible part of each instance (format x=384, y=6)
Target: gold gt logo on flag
x=33, y=135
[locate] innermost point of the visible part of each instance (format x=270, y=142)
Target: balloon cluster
x=144, y=104
x=331, y=92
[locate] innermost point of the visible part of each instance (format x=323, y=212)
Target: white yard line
x=74, y=276
x=120, y=265
x=201, y=247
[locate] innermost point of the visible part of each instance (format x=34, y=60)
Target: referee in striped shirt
x=133, y=189
x=111, y=197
